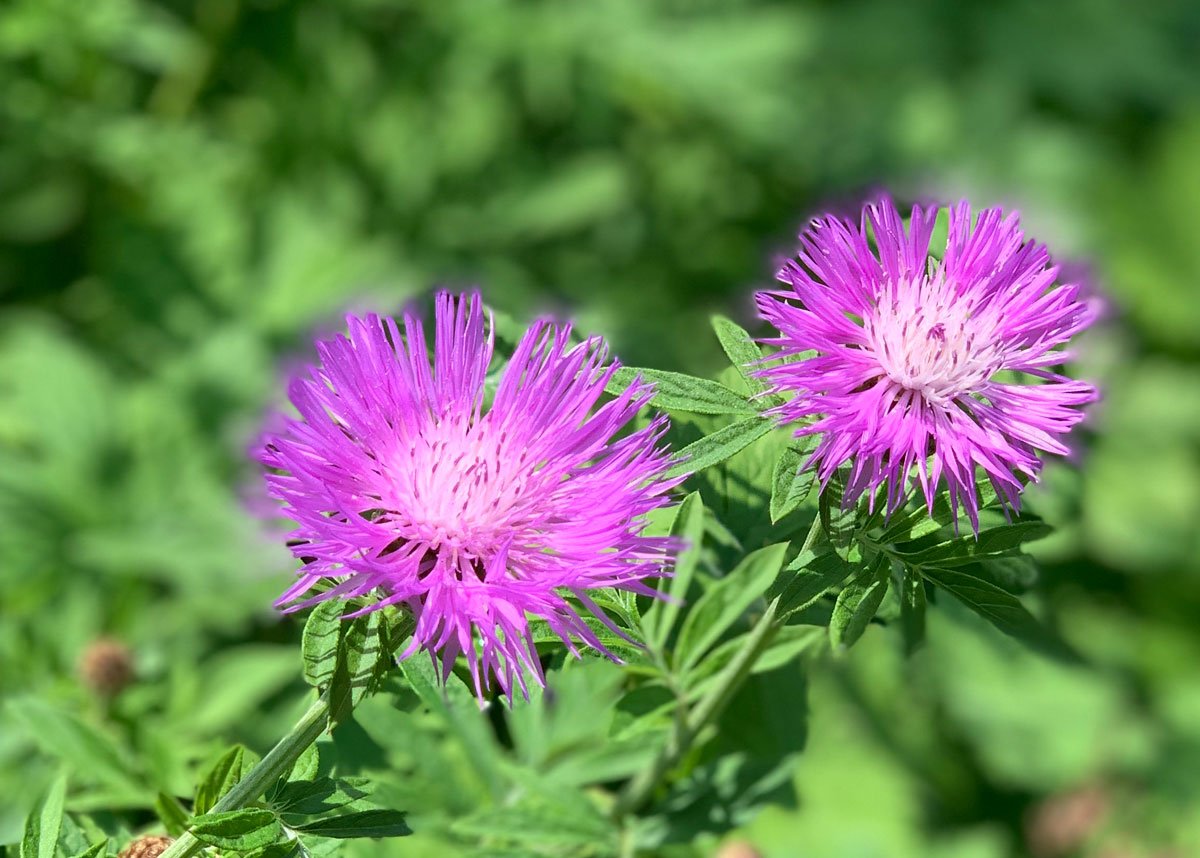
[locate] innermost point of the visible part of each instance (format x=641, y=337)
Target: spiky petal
x=917, y=368
x=408, y=489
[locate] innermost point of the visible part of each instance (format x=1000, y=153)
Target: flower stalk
x=277, y=763
x=686, y=729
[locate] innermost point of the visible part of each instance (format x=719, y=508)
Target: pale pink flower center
x=462, y=484
x=929, y=340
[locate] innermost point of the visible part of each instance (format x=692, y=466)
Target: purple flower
x=408, y=487
x=916, y=368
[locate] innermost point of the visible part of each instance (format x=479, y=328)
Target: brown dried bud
x=106, y=666
x=150, y=846
x=738, y=849
x=1062, y=823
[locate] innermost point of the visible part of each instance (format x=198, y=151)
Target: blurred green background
x=189, y=189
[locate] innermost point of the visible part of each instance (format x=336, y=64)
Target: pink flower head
x=916, y=368
x=407, y=488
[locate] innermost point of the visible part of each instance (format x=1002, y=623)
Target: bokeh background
x=188, y=189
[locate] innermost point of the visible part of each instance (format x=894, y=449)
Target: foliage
x=190, y=189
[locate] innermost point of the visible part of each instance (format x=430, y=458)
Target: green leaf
x=660, y=617
x=94, y=851
x=319, y=644
x=713, y=449
x=307, y=764
x=857, y=603
x=174, y=818
x=725, y=602
x=912, y=608
x=362, y=659
x=838, y=524
x=40, y=838
x=222, y=777
x=91, y=753
x=789, y=486
x=349, y=656
x=569, y=821
x=741, y=350
x=811, y=575
x=788, y=643
x=309, y=798
x=918, y=521
x=674, y=391
x=968, y=549
x=459, y=710
x=999, y=607
x=366, y=823
x=239, y=830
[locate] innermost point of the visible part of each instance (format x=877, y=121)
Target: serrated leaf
x=366, y=823
x=40, y=837
x=723, y=444
x=221, y=778
x=242, y=830
x=912, y=609
x=808, y=577
x=741, y=350
x=688, y=527
x=319, y=643
x=171, y=813
x=789, y=486
x=857, y=603
x=968, y=549
x=725, y=602
x=674, y=391
x=999, y=607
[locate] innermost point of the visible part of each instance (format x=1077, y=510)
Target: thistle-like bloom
x=917, y=368
x=407, y=487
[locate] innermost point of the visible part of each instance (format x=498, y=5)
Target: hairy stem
x=729, y=680
x=277, y=763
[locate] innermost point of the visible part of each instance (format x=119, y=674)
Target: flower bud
x=106, y=667
x=150, y=846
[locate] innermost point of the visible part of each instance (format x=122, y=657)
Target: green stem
x=277, y=763
x=729, y=680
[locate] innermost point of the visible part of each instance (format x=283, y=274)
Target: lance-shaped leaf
x=969, y=549
x=674, y=391
x=232, y=766
x=809, y=576
x=725, y=602
x=723, y=444
x=40, y=837
x=171, y=813
x=741, y=350
x=364, y=823
x=1000, y=608
x=857, y=603
x=789, y=485
x=688, y=527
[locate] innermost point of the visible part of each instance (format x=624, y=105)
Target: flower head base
x=918, y=369
x=407, y=489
